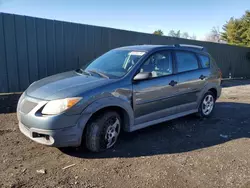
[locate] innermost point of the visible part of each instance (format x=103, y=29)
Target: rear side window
x=205, y=62
x=186, y=61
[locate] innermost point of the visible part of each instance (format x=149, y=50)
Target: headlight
x=58, y=106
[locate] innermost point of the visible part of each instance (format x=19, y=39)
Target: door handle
x=173, y=83
x=202, y=77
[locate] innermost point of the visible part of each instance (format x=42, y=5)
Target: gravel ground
x=187, y=152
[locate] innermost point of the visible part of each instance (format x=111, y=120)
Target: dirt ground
x=187, y=152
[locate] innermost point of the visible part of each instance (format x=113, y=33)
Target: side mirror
x=143, y=76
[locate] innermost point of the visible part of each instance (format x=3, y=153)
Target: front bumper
x=58, y=130
x=58, y=138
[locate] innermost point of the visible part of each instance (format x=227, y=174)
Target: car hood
x=68, y=84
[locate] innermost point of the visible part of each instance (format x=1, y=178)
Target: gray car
x=127, y=89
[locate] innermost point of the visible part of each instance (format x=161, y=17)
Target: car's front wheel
x=207, y=105
x=103, y=131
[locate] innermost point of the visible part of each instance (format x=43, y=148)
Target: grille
x=27, y=106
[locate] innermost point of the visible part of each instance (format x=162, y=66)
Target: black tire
x=201, y=113
x=97, y=131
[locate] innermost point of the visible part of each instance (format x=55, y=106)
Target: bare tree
x=214, y=35
x=193, y=37
x=185, y=35
x=172, y=33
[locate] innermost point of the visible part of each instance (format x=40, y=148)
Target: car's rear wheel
x=103, y=131
x=207, y=105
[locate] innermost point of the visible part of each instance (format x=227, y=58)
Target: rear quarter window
x=186, y=61
x=205, y=61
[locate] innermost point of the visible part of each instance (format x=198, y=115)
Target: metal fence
x=33, y=48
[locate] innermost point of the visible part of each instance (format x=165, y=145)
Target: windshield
x=115, y=63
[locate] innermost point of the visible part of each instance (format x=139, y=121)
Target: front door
x=156, y=97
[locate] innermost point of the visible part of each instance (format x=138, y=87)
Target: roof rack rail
x=191, y=46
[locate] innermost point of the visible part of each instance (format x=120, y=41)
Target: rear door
x=192, y=78
x=155, y=98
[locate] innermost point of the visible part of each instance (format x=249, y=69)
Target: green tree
x=158, y=32
x=176, y=34
x=244, y=29
x=237, y=31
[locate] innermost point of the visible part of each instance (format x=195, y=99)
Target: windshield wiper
x=99, y=73
x=81, y=71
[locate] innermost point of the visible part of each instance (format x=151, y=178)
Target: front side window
x=115, y=63
x=186, y=61
x=205, y=63
x=159, y=64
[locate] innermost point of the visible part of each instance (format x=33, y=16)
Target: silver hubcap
x=112, y=133
x=208, y=104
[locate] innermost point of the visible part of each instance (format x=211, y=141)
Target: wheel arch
x=214, y=91
x=209, y=87
x=122, y=107
x=121, y=111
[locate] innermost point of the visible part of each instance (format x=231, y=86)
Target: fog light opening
x=38, y=135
